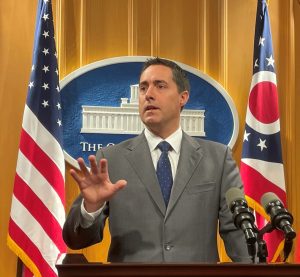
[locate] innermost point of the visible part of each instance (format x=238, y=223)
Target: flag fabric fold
x=37, y=210
x=261, y=164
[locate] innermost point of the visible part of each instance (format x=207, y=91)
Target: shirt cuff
x=87, y=219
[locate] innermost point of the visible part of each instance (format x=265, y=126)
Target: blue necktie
x=164, y=171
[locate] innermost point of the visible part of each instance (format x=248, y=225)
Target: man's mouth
x=151, y=108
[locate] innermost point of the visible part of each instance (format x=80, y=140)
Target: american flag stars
x=45, y=16
x=31, y=85
x=261, y=41
x=45, y=103
x=46, y=83
x=45, y=69
x=45, y=34
x=45, y=86
x=45, y=51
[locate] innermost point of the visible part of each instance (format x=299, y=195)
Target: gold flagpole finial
x=268, y=2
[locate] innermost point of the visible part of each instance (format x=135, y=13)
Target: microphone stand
x=262, y=251
x=288, y=245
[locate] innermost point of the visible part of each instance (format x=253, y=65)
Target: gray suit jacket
x=143, y=229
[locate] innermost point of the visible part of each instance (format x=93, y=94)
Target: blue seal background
x=104, y=86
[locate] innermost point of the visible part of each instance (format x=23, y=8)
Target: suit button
x=168, y=247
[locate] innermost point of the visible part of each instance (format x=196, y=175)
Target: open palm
x=94, y=184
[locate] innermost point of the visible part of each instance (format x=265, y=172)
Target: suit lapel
x=139, y=157
x=190, y=156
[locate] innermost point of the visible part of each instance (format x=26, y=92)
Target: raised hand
x=95, y=185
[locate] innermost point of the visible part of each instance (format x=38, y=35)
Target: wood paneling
x=16, y=32
x=294, y=185
x=213, y=36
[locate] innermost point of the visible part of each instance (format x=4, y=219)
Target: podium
x=76, y=265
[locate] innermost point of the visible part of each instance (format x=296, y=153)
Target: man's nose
x=150, y=93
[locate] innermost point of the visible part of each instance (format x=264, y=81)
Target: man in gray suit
x=163, y=205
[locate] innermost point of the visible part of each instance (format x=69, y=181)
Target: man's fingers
x=82, y=166
x=120, y=185
x=103, y=166
x=76, y=177
x=93, y=164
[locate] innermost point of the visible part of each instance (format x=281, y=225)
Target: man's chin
x=151, y=121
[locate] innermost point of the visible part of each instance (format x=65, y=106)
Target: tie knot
x=164, y=146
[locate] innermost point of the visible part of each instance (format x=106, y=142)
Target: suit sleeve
x=77, y=237
x=233, y=238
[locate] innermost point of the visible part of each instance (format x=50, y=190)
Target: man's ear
x=184, y=98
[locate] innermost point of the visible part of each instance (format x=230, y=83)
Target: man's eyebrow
x=156, y=82
x=143, y=83
x=160, y=82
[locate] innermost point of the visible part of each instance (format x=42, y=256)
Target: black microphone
x=281, y=219
x=242, y=216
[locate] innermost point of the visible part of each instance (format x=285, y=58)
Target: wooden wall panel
x=240, y=52
x=213, y=39
x=141, y=28
x=68, y=15
x=178, y=30
x=213, y=36
x=106, y=29
x=294, y=195
x=16, y=43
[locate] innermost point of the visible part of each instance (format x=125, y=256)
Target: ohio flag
x=261, y=165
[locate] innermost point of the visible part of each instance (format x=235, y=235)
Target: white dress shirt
x=174, y=140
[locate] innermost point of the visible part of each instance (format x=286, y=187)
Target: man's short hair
x=179, y=76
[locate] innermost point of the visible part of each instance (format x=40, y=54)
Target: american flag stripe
x=38, y=210
x=34, y=234
x=41, y=161
x=42, y=189
x=20, y=241
x=46, y=141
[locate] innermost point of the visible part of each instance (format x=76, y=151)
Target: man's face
x=160, y=102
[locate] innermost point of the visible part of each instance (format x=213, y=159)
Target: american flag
x=37, y=211
x=261, y=165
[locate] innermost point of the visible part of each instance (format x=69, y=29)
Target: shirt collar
x=174, y=140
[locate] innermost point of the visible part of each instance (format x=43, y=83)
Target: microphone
x=242, y=216
x=281, y=219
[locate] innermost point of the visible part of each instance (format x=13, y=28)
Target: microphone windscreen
x=233, y=194
x=267, y=198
